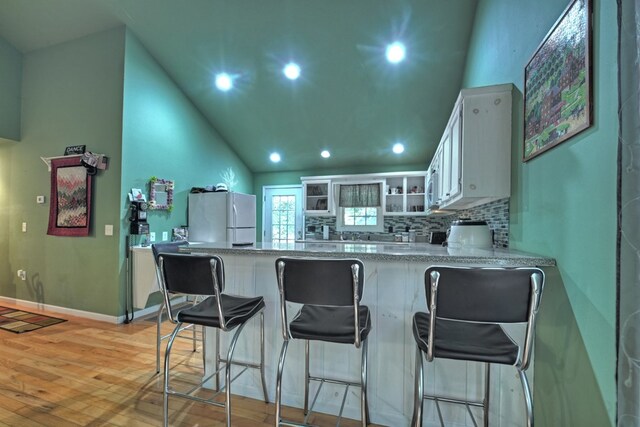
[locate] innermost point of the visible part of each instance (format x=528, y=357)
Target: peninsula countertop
x=379, y=251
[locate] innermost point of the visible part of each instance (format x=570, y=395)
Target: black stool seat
x=329, y=323
x=329, y=291
x=479, y=342
x=467, y=308
x=237, y=310
x=202, y=276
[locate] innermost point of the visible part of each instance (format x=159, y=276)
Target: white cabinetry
x=474, y=155
x=405, y=193
x=318, y=199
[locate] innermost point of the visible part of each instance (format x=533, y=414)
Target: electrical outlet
x=24, y=227
x=108, y=230
x=165, y=236
x=22, y=274
x=152, y=236
x=40, y=199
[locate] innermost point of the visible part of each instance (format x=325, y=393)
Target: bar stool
x=203, y=275
x=330, y=291
x=466, y=307
x=157, y=249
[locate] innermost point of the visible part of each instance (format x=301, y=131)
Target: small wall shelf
x=47, y=160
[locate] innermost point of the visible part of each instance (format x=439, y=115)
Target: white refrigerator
x=222, y=216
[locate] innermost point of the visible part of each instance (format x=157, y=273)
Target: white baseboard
x=79, y=313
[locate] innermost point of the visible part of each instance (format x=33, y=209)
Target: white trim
x=372, y=176
x=74, y=312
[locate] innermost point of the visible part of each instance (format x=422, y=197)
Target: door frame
x=299, y=206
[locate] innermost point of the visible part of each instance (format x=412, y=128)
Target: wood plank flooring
x=90, y=373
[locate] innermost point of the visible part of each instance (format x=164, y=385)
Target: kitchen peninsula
x=394, y=291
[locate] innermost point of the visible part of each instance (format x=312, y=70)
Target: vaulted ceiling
x=348, y=99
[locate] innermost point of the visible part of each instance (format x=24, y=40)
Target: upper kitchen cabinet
x=318, y=199
x=474, y=156
x=405, y=193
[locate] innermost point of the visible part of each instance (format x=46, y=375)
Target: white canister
x=470, y=234
x=325, y=232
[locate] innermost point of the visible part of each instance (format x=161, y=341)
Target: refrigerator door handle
x=235, y=215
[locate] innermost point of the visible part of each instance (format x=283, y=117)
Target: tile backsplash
x=495, y=213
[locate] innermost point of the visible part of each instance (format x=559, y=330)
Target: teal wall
x=293, y=178
x=72, y=94
x=10, y=85
x=107, y=92
x=165, y=136
x=563, y=205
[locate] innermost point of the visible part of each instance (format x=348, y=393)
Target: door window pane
x=283, y=218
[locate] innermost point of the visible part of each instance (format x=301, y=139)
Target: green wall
x=563, y=205
x=293, y=178
x=11, y=72
x=165, y=136
x=72, y=94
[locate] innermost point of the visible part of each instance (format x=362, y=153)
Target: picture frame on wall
x=557, y=83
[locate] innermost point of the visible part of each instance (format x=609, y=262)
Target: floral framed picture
x=160, y=193
x=557, y=83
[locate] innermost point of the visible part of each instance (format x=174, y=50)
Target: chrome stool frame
x=350, y=275
x=184, y=273
x=485, y=291
x=157, y=249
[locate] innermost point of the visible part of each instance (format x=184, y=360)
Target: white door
x=282, y=213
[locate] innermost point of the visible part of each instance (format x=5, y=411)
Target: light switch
x=165, y=236
x=40, y=199
x=152, y=236
x=24, y=227
x=108, y=230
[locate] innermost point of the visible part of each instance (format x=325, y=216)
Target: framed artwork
x=160, y=193
x=70, y=202
x=557, y=83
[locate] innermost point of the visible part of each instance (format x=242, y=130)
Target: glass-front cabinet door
x=317, y=197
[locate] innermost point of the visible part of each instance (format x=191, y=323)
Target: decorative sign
x=74, y=149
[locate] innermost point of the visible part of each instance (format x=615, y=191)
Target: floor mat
x=19, y=321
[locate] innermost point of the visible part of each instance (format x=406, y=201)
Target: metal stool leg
x=487, y=387
x=217, y=359
x=306, y=377
x=283, y=355
x=227, y=383
x=418, y=395
x=159, y=336
x=204, y=345
x=165, y=394
x=262, y=377
x=527, y=397
x=364, y=405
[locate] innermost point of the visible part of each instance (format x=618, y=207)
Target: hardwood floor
x=89, y=373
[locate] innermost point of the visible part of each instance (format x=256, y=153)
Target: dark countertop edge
x=516, y=261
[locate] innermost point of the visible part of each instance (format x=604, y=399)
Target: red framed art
x=70, y=200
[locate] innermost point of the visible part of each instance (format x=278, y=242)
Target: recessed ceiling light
x=224, y=82
x=291, y=70
x=395, y=52
x=325, y=153
x=274, y=157
x=398, y=148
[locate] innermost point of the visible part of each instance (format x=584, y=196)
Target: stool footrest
x=334, y=381
x=437, y=399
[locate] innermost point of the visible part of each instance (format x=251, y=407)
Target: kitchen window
x=359, y=207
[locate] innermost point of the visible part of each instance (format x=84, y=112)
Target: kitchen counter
x=394, y=291
x=381, y=251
